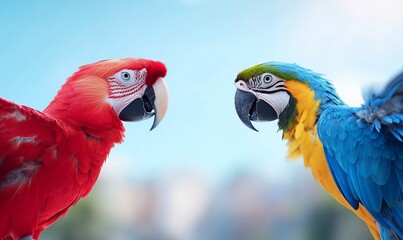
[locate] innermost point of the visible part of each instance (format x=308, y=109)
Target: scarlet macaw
x=51, y=159
x=355, y=153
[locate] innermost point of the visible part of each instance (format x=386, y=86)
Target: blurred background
x=201, y=174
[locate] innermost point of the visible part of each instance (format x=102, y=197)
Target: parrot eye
x=267, y=78
x=128, y=77
x=125, y=76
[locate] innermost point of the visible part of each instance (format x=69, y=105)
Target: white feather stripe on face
x=126, y=82
x=278, y=100
x=119, y=104
x=125, y=86
x=271, y=89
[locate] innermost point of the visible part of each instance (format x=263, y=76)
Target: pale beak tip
x=161, y=101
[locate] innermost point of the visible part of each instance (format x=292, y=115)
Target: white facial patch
x=268, y=88
x=125, y=86
x=278, y=100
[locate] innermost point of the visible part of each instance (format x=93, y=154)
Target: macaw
x=355, y=153
x=51, y=159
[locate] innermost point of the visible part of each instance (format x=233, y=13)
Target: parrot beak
x=245, y=103
x=160, y=102
x=248, y=108
x=153, y=103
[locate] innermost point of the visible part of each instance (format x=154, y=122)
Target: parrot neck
x=324, y=91
x=91, y=127
x=311, y=95
x=110, y=129
x=86, y=110
x=302, y=135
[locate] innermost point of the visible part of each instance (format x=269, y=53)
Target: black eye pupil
x=125, y=76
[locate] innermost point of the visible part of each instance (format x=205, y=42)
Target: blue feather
x=343, y=185
x=387, y=234
x=382, y=172
x=352, y=156
x=388, y=119
x=397, y=135
x=399, y=175
x=377, y=125
x=368, y=192
x=342, y=135
x=391, y=195
x=393, y=87
x=361, y=123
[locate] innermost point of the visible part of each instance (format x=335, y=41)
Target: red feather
x=51, y=159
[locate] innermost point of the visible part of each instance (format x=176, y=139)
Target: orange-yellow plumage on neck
x=303, y=141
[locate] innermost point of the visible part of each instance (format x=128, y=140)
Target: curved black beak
x=248, y=108
x=153, y=103
x=244, y=105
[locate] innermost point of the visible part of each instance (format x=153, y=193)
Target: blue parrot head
x=268, y=91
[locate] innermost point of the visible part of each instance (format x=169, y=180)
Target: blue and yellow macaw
x=355, y=153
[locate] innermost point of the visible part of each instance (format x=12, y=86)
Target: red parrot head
x=133, y=88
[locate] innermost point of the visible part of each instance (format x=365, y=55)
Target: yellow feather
x=304, y=115
x=299, y=131
x=294, y=155
x=292, y=145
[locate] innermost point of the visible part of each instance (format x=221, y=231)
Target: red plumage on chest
x=44, y=172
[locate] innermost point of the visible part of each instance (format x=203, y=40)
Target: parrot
x=51, y=159
x=355, y=153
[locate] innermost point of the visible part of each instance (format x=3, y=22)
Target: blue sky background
x=204, y=44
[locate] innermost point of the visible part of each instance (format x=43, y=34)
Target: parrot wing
x=25, y=134
x=363, y=148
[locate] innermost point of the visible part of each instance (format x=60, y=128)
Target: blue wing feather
x=368, y=165
x=399, y=175
x=343, y=183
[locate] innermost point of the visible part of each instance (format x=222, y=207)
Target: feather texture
x=303, y=141
x=368, y=165
x=34, y=171
x=51, y=159
x=310, y=96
